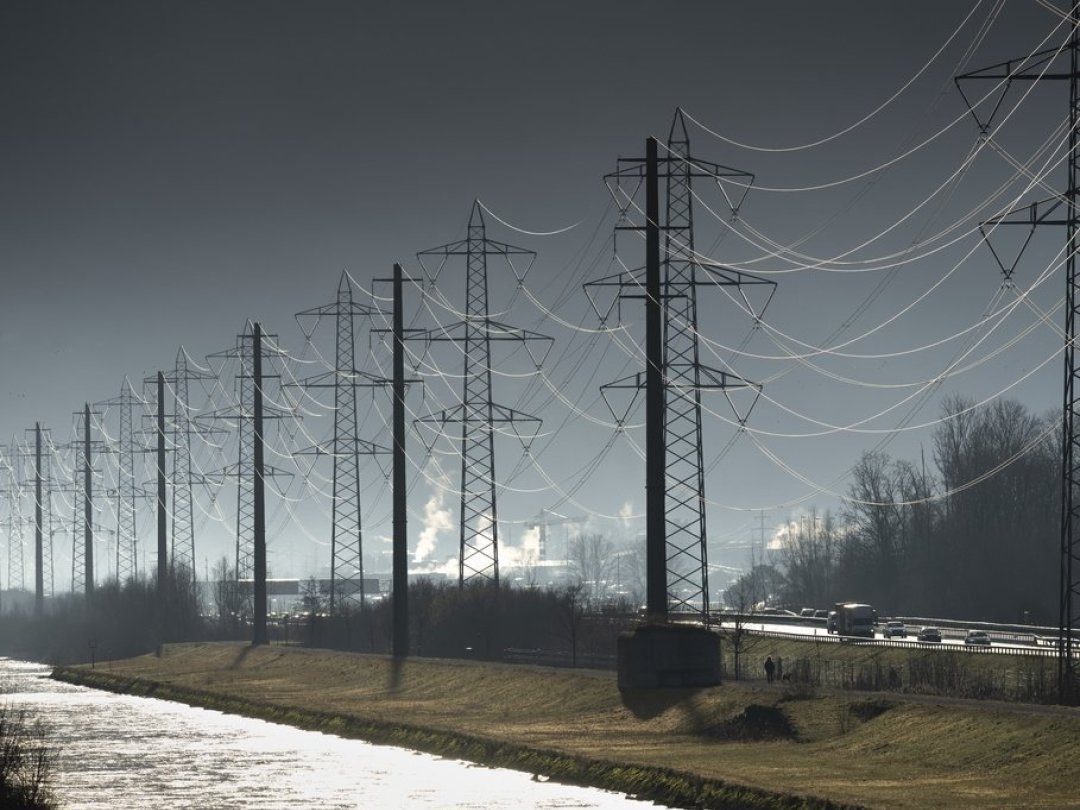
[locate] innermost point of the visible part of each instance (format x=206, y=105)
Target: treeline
x=973, y=534
x=119, y=620
x=549, y=625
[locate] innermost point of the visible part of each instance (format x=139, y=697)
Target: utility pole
x=162, y=520
x=259, y=635
x=656, y=591
x=39, y=550
x=674, y=377
x=243, y=470
x=88, y=507
x=478, y=556
x=400, y=551
x=1060, y=210
x=346, y=536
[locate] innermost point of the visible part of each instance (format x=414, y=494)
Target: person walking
x=770, y=668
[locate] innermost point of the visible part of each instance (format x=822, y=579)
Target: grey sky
x=173, y=169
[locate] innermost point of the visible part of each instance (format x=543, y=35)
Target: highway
x=952, y=638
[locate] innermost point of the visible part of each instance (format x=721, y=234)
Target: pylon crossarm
x=1035, y=213
x=359, y=446
x=1029, y=68
x=331, y=379
x=635, y=168
x=242, y=471
x=722, y=275
x=1007, y=69
x=461, y=248
x=492, y=330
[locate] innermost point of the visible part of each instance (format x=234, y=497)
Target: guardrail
x=1036, y=636
x=1035, y=652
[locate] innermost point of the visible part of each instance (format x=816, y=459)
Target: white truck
x=853, y=619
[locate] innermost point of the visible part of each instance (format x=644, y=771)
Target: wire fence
x=998, y=673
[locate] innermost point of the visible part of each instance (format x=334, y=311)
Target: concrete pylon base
x=668, y=655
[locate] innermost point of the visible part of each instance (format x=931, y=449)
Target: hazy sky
x=171, y=170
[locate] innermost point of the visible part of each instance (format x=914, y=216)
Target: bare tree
x=808, y=555
x=570, y=603
x=591, y=556
x=740, y=598
x=228, y=596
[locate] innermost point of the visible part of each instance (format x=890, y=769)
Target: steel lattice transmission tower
x=16, y=572
x=183, y=427
x=346, y=447
x=478, y=414
x=82, y=447
x=684, y=377
x=1060, y=210
x=78, y=556
x=43, y=471
x=127, y=491
x=244, y=416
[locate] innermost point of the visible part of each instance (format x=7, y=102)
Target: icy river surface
x=117, y=751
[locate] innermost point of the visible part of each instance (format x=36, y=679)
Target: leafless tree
x=591, y=556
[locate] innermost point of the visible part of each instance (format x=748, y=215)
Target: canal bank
x=729, y=746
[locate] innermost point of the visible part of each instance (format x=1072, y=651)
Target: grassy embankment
x=931, y=669
x=731, y=746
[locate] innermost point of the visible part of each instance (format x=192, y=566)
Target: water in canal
x=118, y=751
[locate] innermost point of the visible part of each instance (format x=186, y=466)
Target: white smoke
x=626, y=515
x=530, y=542
x=436, y=519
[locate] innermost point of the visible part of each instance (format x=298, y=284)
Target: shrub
x=25, y=762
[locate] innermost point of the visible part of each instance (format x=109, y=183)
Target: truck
x=853, y=619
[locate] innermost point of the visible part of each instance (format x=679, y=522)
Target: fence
x=954, y=670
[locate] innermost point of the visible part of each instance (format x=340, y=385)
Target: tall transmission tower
x=683, y=376
x=16, y=573
x=183, y=427
x=346, y=447
x=478, y=414
x=243, y=416
x=127, y=490
x=82, y=447
x=78, y=555
x=46, y=474
x=1060, y=210
x=35, y=457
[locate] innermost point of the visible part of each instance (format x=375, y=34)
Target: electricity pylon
x=82, y=482
x=1060, y=210
x=345, y=448
x=127, y=490
x=478, y=414
x=183, y=427
x=15, y=558
x=680, y=527
x=243, y=416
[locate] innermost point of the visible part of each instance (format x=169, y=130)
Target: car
x=821, y=614
x=806, y=613
x=979, y=637
x=894, y=629
x=929, y=634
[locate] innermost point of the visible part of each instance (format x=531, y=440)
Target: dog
x=786, y=676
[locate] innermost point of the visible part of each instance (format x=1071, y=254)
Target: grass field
x=736, y=745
